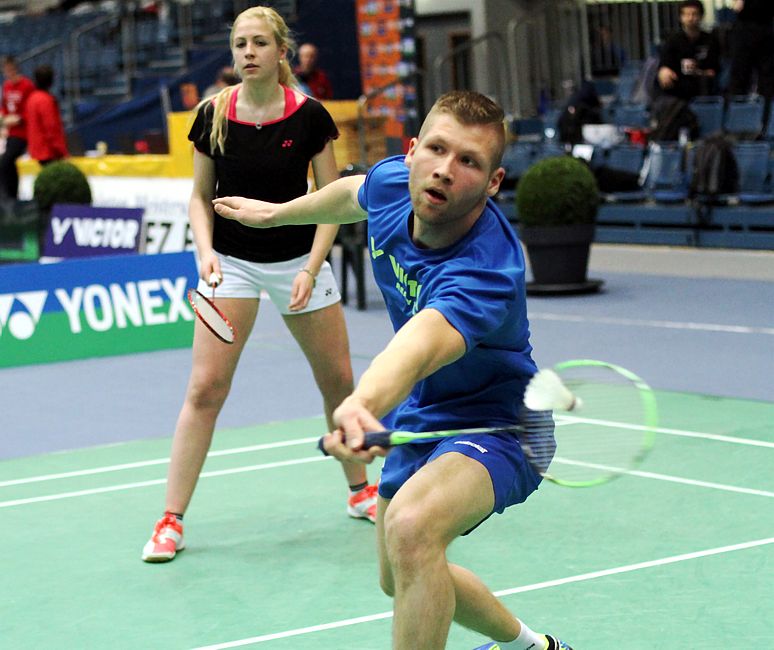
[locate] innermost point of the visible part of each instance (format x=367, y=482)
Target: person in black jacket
x=690, y=58
x=752, y=47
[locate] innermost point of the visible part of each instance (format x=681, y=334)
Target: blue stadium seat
x=528, y=128
x=709, y=111
x=633, y=115
x=770, y=125
x=744, y=115
x=517, y=158
x=752, y=159
x=626, y=158
x=666, y=180
x=627, y=82
x=549, y=150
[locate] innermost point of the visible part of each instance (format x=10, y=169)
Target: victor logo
x=20, y=312
x=96, y=233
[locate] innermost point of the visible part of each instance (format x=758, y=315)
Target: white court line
x=311, y=459
x=572, y=419
x=155, y=461
x=158, y=481
x=668, y=324
x=505, y=592
x=564, y=419
x=664, y=477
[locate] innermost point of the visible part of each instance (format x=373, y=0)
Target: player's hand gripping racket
x=604, y=416
x=209, y=314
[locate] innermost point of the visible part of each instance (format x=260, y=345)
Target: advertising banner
x=387, y=62
x=95, y=307
x=86, y=231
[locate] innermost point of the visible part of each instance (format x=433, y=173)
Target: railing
x=503, y=77
x=74, y=67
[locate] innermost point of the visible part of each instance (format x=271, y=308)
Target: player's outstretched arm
x=426, y=343
x=335, y=203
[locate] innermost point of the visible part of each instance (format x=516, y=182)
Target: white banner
x=165, y=201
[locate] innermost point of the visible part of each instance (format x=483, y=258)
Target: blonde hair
x=221, y=101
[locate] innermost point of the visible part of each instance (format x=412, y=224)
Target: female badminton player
x=256, y=139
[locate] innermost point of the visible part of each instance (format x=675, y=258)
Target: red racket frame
x=191, y=301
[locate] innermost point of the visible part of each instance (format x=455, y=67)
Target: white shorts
x=243, y=279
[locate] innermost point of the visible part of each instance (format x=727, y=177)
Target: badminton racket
x=205, y=309
x=584, y=423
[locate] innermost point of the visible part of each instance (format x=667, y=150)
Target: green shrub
x=557, y=191
x=61, y=182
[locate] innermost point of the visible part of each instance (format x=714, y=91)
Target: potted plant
x=58, y=182
x=557, y=200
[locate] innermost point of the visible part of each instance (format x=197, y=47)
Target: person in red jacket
x=310, y=75
x=45, y=133
x=16, y=90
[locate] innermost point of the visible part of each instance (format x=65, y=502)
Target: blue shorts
x=512, y=475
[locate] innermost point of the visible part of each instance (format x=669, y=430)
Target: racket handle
x=377, y=439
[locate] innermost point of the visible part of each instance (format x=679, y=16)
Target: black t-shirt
x=705, y=50
x=269, y=163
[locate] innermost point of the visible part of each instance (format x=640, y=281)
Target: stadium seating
x=744, y=116
x=709, y=111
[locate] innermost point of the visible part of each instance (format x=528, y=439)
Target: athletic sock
x=527, y=640
x=178, y=515
x=357, y=488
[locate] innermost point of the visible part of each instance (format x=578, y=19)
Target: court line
x=667, y=324
x=158, y=481
x=672, y=432
x=150, y=463
x=665, y=477
x=582, y=577
x=302, y=441
x=311, y=459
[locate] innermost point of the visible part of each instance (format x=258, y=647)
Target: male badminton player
x=451, y=271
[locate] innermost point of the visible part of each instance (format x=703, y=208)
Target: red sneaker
x=166, y=541
x=362, y=505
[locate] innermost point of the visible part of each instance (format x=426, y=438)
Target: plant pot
x=559, y=258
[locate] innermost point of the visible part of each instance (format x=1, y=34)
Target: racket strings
x=605, y=437
x=211, y=317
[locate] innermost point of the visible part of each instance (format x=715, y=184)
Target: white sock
x=527, y=640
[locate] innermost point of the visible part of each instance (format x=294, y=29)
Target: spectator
x=690, y=58
x=226, y=77
x=582, y=108
x=45, y=133
x=607, y=57
x=313, y=78
x=16, y=90
x=752, y=48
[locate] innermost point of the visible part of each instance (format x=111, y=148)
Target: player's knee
x=207, y=392
x=408, y=537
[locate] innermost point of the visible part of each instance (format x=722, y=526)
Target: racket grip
x=321, y=446
x=377, y=439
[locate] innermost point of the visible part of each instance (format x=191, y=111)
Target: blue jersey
x=477, y=284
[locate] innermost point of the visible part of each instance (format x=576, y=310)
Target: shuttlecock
x=214, y=279
x=546, y=392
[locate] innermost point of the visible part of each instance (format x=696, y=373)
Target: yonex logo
x=97, y=307
x=20, y=312
x=470, y=444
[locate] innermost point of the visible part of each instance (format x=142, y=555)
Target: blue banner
x=96, y=307
x=86, y=231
